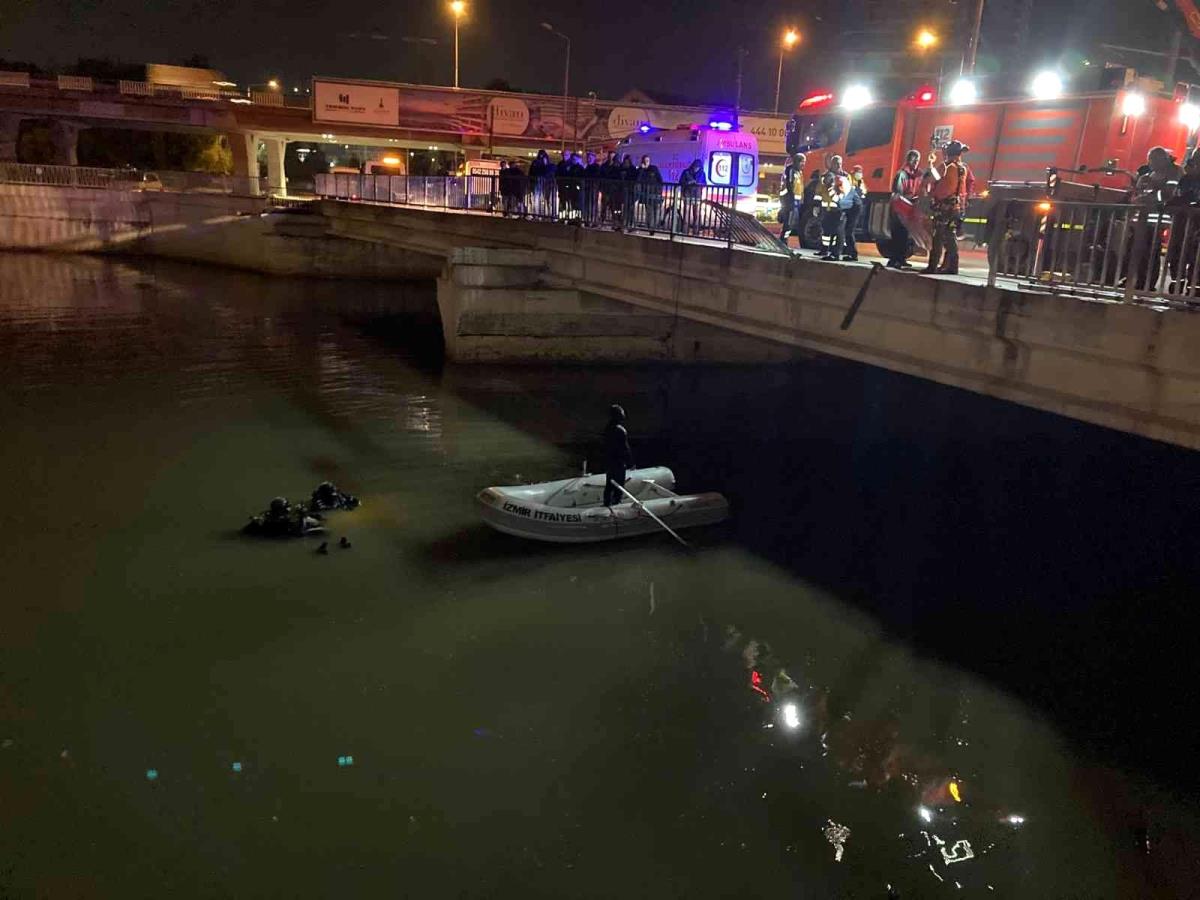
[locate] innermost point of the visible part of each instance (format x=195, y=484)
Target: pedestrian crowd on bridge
x=825, y=207
x=614, y=193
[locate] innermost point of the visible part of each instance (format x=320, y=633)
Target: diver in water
x=618, y=458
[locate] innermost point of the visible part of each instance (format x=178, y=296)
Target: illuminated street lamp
x=459, y=9
x=925, y=39
x=790, y=37
x=271, y=85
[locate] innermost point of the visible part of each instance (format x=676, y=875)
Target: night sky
x=682, y=48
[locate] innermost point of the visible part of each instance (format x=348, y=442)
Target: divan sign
x=624, y=120
x=508, y=115
x=357, y=104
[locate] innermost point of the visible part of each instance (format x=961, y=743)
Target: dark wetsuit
x=617, y=458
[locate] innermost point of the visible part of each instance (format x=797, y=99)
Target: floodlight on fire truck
x=856, y=97
x=1189, y=116
x=1046, y=86
x=1134, y=104
x=963, y=92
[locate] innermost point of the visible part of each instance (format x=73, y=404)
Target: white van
x=730, y=158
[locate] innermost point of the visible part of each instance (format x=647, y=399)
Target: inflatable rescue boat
x=573, y=511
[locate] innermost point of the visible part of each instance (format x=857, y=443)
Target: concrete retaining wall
x=195, y=227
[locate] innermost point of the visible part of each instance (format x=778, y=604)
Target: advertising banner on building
x=770, y=131
x=482, y=117
x=350, y=103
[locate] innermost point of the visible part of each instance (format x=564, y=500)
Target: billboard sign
x=770, y=131
x=355, y=104
x=508, y=115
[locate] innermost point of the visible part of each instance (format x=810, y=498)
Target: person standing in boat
x=618, y=458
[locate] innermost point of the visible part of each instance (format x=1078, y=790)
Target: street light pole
x=566, y=85
x=458, y=7
x=789, y=38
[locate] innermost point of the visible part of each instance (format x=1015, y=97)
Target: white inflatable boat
x=573, y=510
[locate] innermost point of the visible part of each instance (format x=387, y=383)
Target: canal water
x=945, y=644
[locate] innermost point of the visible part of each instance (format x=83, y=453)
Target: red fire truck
x=1095, y=139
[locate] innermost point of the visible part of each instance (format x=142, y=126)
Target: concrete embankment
x=197, y=227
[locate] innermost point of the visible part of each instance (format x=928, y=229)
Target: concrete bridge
x=518, y=291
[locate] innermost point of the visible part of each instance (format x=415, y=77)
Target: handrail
x=705, y=213
x=1120, y=252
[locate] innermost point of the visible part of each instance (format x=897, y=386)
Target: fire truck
x=1079, y=146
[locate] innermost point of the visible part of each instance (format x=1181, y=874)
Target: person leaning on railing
x=691, y=187
x=1156, y=185
x=649, y=192
x=610, y=172
x=1185, y=227
x=541, y=184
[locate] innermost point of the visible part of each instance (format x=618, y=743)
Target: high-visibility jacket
x=833, y=187
x=952, y=181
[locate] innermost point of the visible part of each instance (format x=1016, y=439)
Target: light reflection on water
x=541, y=721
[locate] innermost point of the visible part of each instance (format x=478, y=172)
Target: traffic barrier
x=75, y=83
x=1112, y=251
x=136, y=88
x=14, y=79
x=697, y=212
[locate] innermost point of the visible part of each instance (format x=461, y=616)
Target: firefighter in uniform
x=950, y=187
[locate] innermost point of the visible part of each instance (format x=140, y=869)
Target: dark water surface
x=954, y=638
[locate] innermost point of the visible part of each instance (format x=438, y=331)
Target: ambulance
x=729, y=157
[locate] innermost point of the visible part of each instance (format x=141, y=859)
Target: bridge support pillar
x=10, y=136
x=276, y=179
x=65, y=138
x=245, y=163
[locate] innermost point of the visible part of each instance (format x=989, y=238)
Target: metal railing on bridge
x=704, y=213
x=1112, y=251
x=124, y=179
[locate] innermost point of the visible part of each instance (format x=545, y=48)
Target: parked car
x=766, y=208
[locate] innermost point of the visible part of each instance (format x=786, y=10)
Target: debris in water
x=237, y=767
x=152, y=774
x=960, y=852
x=344, y=761
x=837, y=835
x=344, y=543
x=324, y=548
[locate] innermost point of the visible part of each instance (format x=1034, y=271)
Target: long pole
x=638, y=503
x=566, y=94
x=737, y=100
x=778, y=81
x=456, y=18
x=973, y=48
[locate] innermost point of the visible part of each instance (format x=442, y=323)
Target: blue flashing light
x=720, y=125
x=644, y=128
